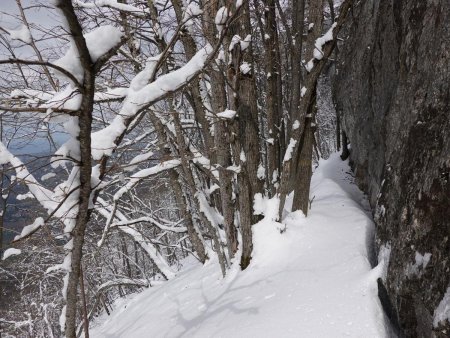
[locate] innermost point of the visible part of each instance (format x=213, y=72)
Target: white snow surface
x=309, y=277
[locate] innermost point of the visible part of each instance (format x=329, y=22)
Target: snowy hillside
x=313, y=280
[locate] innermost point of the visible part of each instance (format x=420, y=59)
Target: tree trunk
x=303, y=159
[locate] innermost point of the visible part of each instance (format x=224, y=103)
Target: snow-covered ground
x=313, y=280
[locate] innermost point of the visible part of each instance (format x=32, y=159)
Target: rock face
x=392, y=93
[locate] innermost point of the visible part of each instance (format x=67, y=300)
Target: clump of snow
x=192, y=10
x=303, y=91
x=23, y=34
x=295, y=125
x=221, y=18
x=11, y=252
x=246, y=42
x=227, y=114
x=289, y=150
x=22, y=197
x=318, y=47
x=99, y=41
x=442, y=312
x=38, y=222
x=245, y=68
x=47, y=176
x=320, y=42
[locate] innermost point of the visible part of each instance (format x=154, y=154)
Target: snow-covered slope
x=313, y=280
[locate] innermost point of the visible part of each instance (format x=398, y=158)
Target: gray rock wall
x=392, y=91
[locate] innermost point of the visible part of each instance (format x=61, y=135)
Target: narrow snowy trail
x=314, y=280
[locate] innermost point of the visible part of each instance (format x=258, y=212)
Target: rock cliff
x=392, y=93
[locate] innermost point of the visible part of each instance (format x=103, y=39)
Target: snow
x=11, y=252
x=245, y=68
x=113, y=4
x=192, y=10
x=140, y=95
x=289, y=150
x=303, y=91
x=318, y=45
x=309, y=277
x=28, y=229
x=23, y=34
x=227, y=114
x=22, y=197
x=442, y=312
x=221, y=18
x=99, y=41
x=47, y=176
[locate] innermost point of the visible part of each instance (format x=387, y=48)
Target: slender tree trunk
x=83, y=299
x=85, y=166
x=272, y=66
x=221, y=134
x=303, y=170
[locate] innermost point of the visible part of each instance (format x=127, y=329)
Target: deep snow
x=313, y=280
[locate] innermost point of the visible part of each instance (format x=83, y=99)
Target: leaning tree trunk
x=303, y=170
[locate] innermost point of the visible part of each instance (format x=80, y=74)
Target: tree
x=208, y=99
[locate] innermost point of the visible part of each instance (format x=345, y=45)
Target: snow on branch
x=103, y=141
x=147, y=219
x=123, y=281
x=99, y=42
x=112, y=4
x=145, y=173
